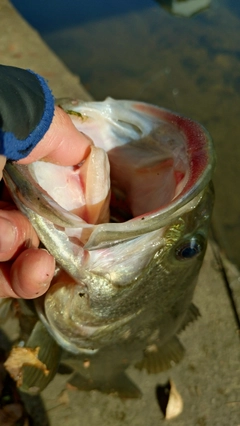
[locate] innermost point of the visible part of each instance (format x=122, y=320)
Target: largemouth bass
x=128, y=228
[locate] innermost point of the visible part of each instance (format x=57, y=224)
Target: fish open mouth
x=156, y=158
x=144, y=175
x=145, y=164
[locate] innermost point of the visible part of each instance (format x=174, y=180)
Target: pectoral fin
x=34, y=365
x=192, y=315
x=157, y=359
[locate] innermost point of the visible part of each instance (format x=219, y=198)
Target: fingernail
x=7, y=235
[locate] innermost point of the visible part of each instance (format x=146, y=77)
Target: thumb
x=62, y=143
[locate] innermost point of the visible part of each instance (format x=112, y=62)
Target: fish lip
x=107, y=236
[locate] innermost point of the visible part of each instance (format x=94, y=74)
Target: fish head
x=128, y=226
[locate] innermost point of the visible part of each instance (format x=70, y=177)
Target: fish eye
x=190, y=248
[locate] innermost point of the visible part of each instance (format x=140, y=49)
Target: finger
x=31, y=273
x=5, y=286
x=16, y=233
x=62, y=144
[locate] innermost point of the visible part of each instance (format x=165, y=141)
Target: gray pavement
x=208, y=377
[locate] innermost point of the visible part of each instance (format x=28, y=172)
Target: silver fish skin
x=125, y=283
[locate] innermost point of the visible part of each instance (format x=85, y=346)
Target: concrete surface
x=208, y=377
x=22, y=47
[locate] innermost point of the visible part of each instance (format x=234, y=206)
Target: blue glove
x=26, y=111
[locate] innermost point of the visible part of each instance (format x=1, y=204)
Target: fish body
x=129, y=242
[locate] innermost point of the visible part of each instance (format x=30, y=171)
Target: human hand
x=25, y=270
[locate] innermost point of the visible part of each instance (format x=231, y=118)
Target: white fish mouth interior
x=149, y=167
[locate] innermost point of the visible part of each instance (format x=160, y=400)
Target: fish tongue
x=95, y=179
x=144, y=174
